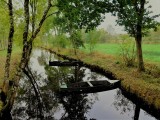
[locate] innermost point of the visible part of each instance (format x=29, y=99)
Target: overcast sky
x=110, y=20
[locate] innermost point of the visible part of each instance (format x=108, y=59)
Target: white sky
x=110, y=20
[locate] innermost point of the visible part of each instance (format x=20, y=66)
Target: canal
x=37, y=98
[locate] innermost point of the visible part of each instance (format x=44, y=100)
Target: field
x=151, y=52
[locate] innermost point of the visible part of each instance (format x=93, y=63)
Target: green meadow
x=151, y=52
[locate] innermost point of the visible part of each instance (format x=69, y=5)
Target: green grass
x=14, y=60
x=15, y=50
x=151, y=52
x=3, y=53
x=105, y=48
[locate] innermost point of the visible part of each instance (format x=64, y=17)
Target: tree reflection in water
x=30, y=106
x=124, y=105
x=75, y=106
x=37, y=98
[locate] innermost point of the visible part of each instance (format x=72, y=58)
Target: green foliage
x=132, y=14
x=92, y=38
x=127, y=50
x=60, y=41
x=77, y=14
x=153, y=37
x=104, y=36
x=60, y=24
x=76, y=39
x=136, y=18
x=82, y=13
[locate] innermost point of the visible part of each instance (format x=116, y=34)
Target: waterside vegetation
x=145, y=85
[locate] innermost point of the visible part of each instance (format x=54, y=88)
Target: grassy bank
x=145, y=85
x=151, y=52
x=14, y=62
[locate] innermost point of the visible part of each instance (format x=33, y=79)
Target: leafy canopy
x=85, y=14
x=132, y=13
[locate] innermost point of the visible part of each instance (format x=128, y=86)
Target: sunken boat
x=88, y=86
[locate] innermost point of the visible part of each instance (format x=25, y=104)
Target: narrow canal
x=37, y=99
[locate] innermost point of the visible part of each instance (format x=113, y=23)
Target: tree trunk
x=139, y=53
x=138, y=34
x=9, y=50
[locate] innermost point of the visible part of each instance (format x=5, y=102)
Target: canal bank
x=86, y=58
x=144, y=86
x=106, y=105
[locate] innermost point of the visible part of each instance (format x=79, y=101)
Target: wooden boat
x=88, y=86
x=65, y=63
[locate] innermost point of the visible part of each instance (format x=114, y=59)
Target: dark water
x=46, y=104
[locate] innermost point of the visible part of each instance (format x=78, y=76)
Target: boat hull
x=83, y=87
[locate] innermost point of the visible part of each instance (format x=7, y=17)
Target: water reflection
x=34, y=105
x=75, y=106
x=38, y=100
x=122, y=104
x=125, y=106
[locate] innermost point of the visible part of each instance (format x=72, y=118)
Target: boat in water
x=88, y=86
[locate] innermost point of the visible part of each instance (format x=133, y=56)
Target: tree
x=83, y=14
x=92, y=38
x=9, y=50
x=136, y=19
x=33, y=13
x=29, y=36
x=75, y=15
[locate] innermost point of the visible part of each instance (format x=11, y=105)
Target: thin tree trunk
x=9, y=50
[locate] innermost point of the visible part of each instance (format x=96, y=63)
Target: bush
x=127, y=51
